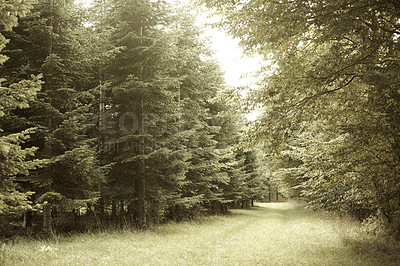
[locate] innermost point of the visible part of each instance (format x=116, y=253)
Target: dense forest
x=117, y=115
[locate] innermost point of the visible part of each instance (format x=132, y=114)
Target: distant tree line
x=114, y=115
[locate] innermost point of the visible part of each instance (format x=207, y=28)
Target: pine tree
x=201, y=79
x=142, y=110
x=72, y=177
x=16, y=159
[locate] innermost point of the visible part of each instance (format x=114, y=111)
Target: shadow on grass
x=373, y=250
x=354, y=248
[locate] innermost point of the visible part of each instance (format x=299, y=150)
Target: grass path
x=270, y=234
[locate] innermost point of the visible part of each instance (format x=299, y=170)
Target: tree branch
x=380, y=27
x=307, y=99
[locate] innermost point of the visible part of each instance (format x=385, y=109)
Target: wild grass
x=270, y=234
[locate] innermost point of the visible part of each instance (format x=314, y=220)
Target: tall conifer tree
x=15, y=157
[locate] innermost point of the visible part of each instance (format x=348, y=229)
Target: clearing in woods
x=269, y=234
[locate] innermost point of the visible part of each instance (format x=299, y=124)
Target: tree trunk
x=177, y=213
x=100, y=208
x=140, y=181
x=113, y=211
x=47, y=221
x=27, y=219
x=121, y=208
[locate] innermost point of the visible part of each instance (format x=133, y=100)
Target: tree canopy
x=330, y=100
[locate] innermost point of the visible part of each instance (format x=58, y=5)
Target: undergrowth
x=270, y=234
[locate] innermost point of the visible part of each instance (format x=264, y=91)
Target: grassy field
x=270, y=234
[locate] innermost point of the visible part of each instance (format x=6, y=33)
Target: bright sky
x=229, y=54
x=232, y=59
x=238, y=67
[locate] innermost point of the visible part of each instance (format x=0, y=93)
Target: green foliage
x=131, y=127
x=330, y=99
x=72, y=172
x=15, y=159
x=9, y=13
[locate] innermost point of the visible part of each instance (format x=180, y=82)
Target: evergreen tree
x=131, y=121
x=201, y=79
x=16, y=159
x=72, y=177
x=143, y=110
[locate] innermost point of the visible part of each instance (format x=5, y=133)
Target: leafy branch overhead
x=331, y=100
